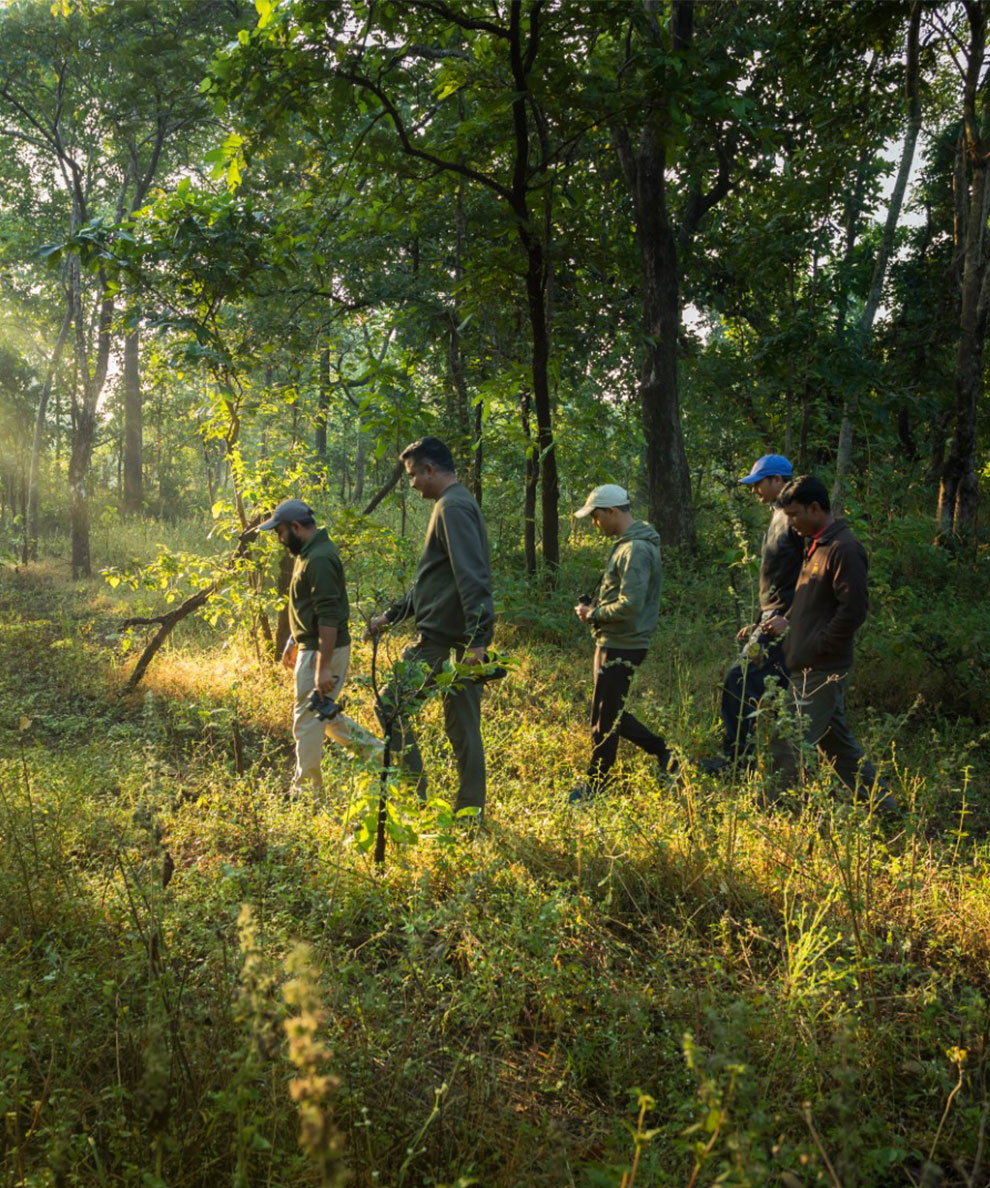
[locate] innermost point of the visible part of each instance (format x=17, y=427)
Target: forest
x=251, y=250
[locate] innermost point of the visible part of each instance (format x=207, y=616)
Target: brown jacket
x=830, y=603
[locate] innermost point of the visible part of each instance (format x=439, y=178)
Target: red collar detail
x=815, y=542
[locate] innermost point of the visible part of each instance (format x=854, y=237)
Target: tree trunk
x=359, y=460
x=286, y=565
x=843, y=461
x=458, y=401
x=133, y=446
x=79, y=462
x=458, y=397
x=667, y=477
x=536, y=277
x=30, y=551
x=323, y=405
x=549, y=482
x=531, y=483
x=959, y=487
x=479, y=453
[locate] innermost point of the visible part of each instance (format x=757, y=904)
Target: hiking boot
x=669, y=768
x=713, y=766
x=581, y=793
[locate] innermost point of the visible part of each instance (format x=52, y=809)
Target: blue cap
x=769, y=466
x=289, y=510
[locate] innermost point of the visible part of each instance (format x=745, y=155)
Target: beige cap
x=609, y=495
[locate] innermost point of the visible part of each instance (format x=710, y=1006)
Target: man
x=762, y=658
x=622, y=616
x=451, y=603
x=319, y=647
x=830, y=604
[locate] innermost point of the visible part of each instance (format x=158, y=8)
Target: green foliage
x=518, y=980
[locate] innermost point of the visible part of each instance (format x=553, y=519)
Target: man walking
x=830, y=604
x=451, y=603
x=622, y=615
x=319, y=647
x=762, y=657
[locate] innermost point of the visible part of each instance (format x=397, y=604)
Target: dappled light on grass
x=684, y=946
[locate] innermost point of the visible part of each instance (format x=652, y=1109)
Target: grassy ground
x=674, y=986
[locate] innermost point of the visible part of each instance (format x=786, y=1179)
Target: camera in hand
x=490, y=670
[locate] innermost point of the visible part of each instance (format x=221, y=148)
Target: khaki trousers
x=308, y=730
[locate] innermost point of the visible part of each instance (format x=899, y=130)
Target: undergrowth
x=203, y=982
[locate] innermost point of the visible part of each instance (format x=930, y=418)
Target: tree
x=91, y=98
x=413, y=67
x=959, y=489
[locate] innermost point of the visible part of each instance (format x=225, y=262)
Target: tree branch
x=168, y=621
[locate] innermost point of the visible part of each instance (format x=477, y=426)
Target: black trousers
x=614, y=668
x=744, y=685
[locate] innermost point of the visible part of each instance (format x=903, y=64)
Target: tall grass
x=675, y=985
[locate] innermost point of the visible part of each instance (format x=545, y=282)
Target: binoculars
x=323, y=705
x=489, y=672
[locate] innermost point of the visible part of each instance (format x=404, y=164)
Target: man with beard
x=319, y=648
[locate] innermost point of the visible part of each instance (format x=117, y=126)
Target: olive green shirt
x=451, y=596
x=318, y=593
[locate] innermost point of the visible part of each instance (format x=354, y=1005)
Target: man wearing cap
x=451, y=603
x=762, y=657
x=622, y=615
x=319, y=648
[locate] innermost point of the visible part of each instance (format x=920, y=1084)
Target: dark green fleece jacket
x=451, y=595
x=628, y=605
x=317, y=593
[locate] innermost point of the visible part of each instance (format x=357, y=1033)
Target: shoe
x=581, y=794
x=669, y=768
x=713, y=766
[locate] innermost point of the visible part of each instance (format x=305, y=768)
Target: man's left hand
x=325, y=683
x=583, y=611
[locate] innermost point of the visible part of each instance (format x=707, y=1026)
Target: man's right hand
x=289, y=653
x=744, y=633
x=377, y=625
x=775, y=627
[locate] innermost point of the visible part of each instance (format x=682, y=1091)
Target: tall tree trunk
x=479, y=453
x=359, y=460
x=959, y=487
x=84, y=411
x=79, y=463
x=458, y=398
x=536, y=278
x=30, y=551
x=660, y=243
x=285, y=567
x=531, y=480
x=843, y=461
x=667, y=478
x=323, y=405
x=133, y=443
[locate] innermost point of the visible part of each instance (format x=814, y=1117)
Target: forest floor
x=674, y=985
